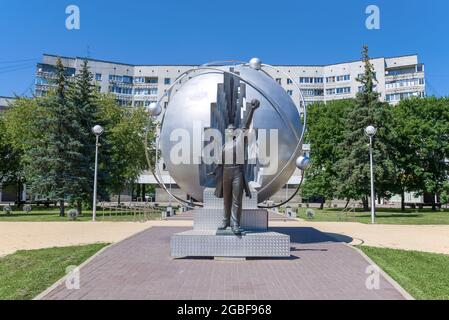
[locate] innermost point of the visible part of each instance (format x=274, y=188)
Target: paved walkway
x=36, y=235
x=140, y=268
x=427, y=238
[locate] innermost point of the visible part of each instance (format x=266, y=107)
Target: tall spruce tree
x=52, y=163
x=81, y=100
x=353, y=167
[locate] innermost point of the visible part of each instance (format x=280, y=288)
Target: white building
x=139, y=85
x=4, y=102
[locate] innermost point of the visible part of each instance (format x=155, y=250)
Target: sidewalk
x=426, y=238
x=36, y=235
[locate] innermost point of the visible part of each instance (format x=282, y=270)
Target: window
x=139, y=80
x=124, y=103
x=310, y=80
x=345, y=77
x=344, y=90
x=330, y=79
x=115, y=89
x=145, y=91
x=279, y=80
x=127, y=91
x=362, y=87
x=167, y=81
x=290, y=92
x=127, y=79
x=404, y=83
x=289, y=81
x=41, y=80
x=399, y=71
x=98, y=76
x=140, y=91
x=152, y=80
x=333, y=91
x=401, y=96
x=312, y=92
x=113, y=77
x=120, y=90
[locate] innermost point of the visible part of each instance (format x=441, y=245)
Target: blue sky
x=199, y=31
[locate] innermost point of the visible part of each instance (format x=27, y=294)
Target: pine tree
x=81, y=99
x=353, y=166
x=53, y=161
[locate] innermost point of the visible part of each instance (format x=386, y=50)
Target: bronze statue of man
x=230, y=174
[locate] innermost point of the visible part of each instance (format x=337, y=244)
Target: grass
x=25, y=274
x=52, y=215
x=383, y=216
x=424, y=275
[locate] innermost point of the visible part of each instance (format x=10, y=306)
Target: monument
x=231, y=138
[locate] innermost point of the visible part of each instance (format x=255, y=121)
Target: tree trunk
x=365, y=203
x=79, y=207
x=19, y=195
x=61, y=207
x=438, y=200
x=322, y=204
x=143, y=192
x=403, y=201
x=434, y=207
x=347, y=203
x=118, y=199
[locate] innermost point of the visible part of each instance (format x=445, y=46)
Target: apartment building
x=138, y=85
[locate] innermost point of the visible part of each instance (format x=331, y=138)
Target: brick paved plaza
x=141, y=268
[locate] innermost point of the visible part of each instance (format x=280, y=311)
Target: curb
x=387, y=277
x=63, y=279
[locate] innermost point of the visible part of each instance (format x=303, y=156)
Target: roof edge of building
x=194, y=65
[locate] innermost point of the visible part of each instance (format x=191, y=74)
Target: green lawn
x=384, y=216
x=25, y=274
x=52, y=214
x=424, y=275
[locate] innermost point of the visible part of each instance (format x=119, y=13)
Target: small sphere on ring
x=154, y=109
x=255, y=64
x=303, y=163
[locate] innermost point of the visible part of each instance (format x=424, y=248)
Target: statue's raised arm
x=254, y=105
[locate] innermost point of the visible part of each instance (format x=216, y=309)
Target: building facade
x=5, y=102
x=139, y=85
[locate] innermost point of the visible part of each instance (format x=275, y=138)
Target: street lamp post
x=97, y=131
x=371, y=131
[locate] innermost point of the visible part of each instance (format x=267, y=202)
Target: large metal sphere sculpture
x=190, y=105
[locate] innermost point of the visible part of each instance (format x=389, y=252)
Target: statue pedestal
x=205, y=240
x=207, y=243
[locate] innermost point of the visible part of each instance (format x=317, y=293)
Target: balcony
x=404, y=76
